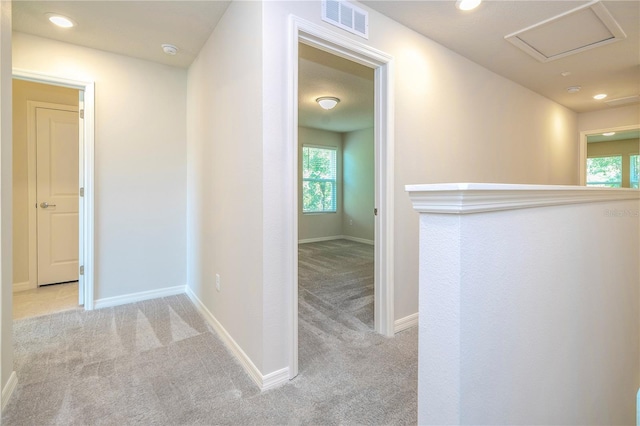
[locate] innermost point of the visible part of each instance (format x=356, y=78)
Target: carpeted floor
x=157, y=362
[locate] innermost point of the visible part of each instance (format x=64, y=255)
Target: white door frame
x=337, y=44
x=85, y=179
x=583, y=146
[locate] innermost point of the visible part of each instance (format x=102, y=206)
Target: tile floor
x=45, y=300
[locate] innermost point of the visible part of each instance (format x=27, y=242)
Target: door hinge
x=375, y=212
x=82, y=192
x=82, y=270
x=81, y=113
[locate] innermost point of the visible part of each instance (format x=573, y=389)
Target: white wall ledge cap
x=464, y=198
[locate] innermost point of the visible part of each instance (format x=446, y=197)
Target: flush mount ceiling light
x=467, y=4
x=327, y=102
x=609, y=134
x=600, y=96
x=170, y=49
x=573, y=89
x=60, y=20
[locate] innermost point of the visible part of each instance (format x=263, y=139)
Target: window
x=319, y=171
x=635, y=171
x=605, y=171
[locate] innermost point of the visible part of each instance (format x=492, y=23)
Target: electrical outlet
x=351, y=222
x=218, y=282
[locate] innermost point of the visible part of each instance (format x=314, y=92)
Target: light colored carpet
x=158, y=363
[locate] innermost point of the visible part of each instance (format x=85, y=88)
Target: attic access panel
x=575, y=31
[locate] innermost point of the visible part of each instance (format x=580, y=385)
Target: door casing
x=85, y=178
x=302, y=31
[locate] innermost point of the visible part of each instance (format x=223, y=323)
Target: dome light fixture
x=600, y=96
x=60, y=20
x=327, y=102
x=467, y=4
x=573, y=89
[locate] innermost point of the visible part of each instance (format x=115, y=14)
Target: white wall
x=529, y=315
x=319, y=225
x=454, y=121
x=358, y=184
x=140, y=162
x=6, y=275
x=225, y=184
x=611, y=117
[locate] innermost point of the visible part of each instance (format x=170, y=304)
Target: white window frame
x=335, y=180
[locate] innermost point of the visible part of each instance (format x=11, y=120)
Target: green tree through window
x=319, y=171
x=604, y=171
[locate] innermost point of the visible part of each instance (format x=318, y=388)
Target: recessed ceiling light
x=609, y=134
x=60, y=20
x=468, y=4
x=600, y=96
x=573, y=89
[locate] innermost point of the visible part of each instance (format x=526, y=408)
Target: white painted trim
x=406, y=323
x=269, y=381
x=87, y=172
x=108, y=302
x=23, y=286
x=359, y=240
x=336, y=237
x=583, y=146
x=8, y=389
x=464, y=198
x=322, y=38
x=275, y=379
x=320, y=239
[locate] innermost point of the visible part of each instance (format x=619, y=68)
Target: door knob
x=45, y=205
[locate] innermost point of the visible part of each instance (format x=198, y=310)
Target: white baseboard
x=7, y=391
x=23, y=286
x=405, y=323
x=317, y=240
x=359, y=240
x=336, y=237
x=265, y=382
x=108, y=302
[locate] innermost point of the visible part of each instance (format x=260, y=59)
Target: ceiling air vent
x=577, y=30
x=346, y=16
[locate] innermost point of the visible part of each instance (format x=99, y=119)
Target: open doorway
x=334, y=44
x=53, y=183
x=335, y=193
x=611, y=157
x=45, y=198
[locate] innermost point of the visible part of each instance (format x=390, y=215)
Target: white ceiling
x=323, y=74
x=132, y=28
x=138, y=28
x=479, y=35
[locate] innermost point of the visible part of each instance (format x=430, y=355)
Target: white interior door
x=57, y=195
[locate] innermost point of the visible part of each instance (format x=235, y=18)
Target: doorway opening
x=610, y=157
x=336, y=198
x=58, y=166
x=317, y=37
